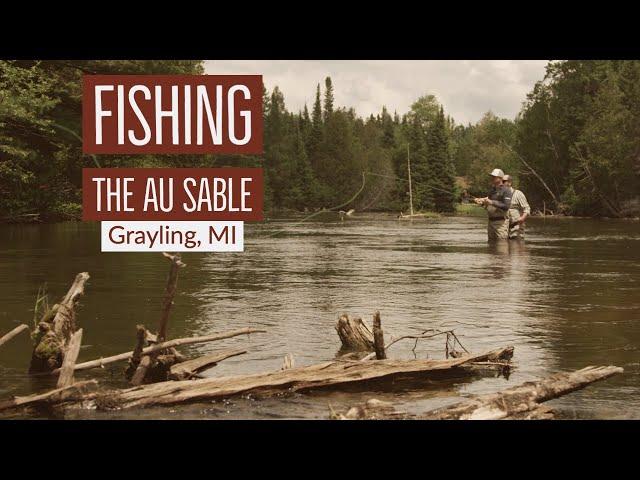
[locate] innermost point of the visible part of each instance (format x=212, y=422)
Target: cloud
x=466, y=88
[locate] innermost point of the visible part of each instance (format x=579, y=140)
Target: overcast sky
x=466, y=88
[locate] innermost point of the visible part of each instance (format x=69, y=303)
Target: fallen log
x=163, y=346
x=333, y=374
x=520, y=402
x=354, y=334
x=74, y=392
x=522, y=398
x=66, y=371
x=19, y=329
x=55, y=329
x=190, y=368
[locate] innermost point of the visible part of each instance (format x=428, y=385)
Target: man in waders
x=497, y=204
x=519, y=210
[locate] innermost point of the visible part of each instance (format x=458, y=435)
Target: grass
x=470, y=209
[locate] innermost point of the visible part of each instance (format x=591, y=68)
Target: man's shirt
x=500, y=197
x=519, y=202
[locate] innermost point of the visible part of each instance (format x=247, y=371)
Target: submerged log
x=19, y=329
x=164, y=346
x=334, y=374
x=66, y=371
x=55, y=330
x=74, y=392
x=354, y=334
x=190, y=368
x=521, y=402
x=522, y=398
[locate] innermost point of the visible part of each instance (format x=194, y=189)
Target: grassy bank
x=470, y=209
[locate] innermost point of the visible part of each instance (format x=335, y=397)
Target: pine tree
x=328, y=99
x=421, y=174
x=316, y=135
x=440, y=164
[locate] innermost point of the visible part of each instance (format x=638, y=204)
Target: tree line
x=574, y=147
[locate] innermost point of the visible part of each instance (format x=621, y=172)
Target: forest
x=574, y=147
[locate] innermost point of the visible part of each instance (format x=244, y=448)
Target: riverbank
x=462, y=209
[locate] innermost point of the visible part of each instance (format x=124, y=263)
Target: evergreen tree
x=441, y=167
x=328, y=99
x=421, y=174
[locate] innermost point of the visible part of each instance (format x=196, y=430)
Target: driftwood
x=74, y=392
x=334, y=374
x=164, y=346
x=519, y=402
x=66, y=371
x=56, y=328
x=378, y=338
x=19, y=329
x=288, y=362
x=354, y=334
x=190, y=368
x=148, y=368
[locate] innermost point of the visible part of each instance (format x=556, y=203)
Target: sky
x=466, y=88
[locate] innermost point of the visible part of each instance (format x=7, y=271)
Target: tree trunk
x=354, y=334
x=378, y=338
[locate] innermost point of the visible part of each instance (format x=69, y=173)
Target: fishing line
x=324, y=210
x=364, y=174
x=405, y=180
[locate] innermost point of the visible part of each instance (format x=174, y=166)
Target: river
x=568, y=298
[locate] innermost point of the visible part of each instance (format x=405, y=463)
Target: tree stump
x=378, y=338
x=56, y=328
x=354, y=334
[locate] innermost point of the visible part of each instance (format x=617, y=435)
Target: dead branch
x=16, y=331
x=66, y=371
x=74, y=392
x=191, y=368
x=165, y=345
x=544, y=184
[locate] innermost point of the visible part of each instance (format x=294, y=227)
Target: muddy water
x=568, y=298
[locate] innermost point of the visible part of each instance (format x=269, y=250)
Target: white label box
x=172, y=236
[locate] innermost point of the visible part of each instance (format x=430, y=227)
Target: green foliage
x=579, y=129
x=41, y=157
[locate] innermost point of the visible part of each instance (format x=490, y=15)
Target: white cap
x=497, y=173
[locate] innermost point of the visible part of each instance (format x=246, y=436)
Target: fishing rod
x=364, y=181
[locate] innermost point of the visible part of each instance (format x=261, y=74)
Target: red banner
x=172, y=194
x=128, y=114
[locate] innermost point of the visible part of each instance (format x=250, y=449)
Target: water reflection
x=566, y=298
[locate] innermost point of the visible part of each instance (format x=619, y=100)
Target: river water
x=568, y=298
